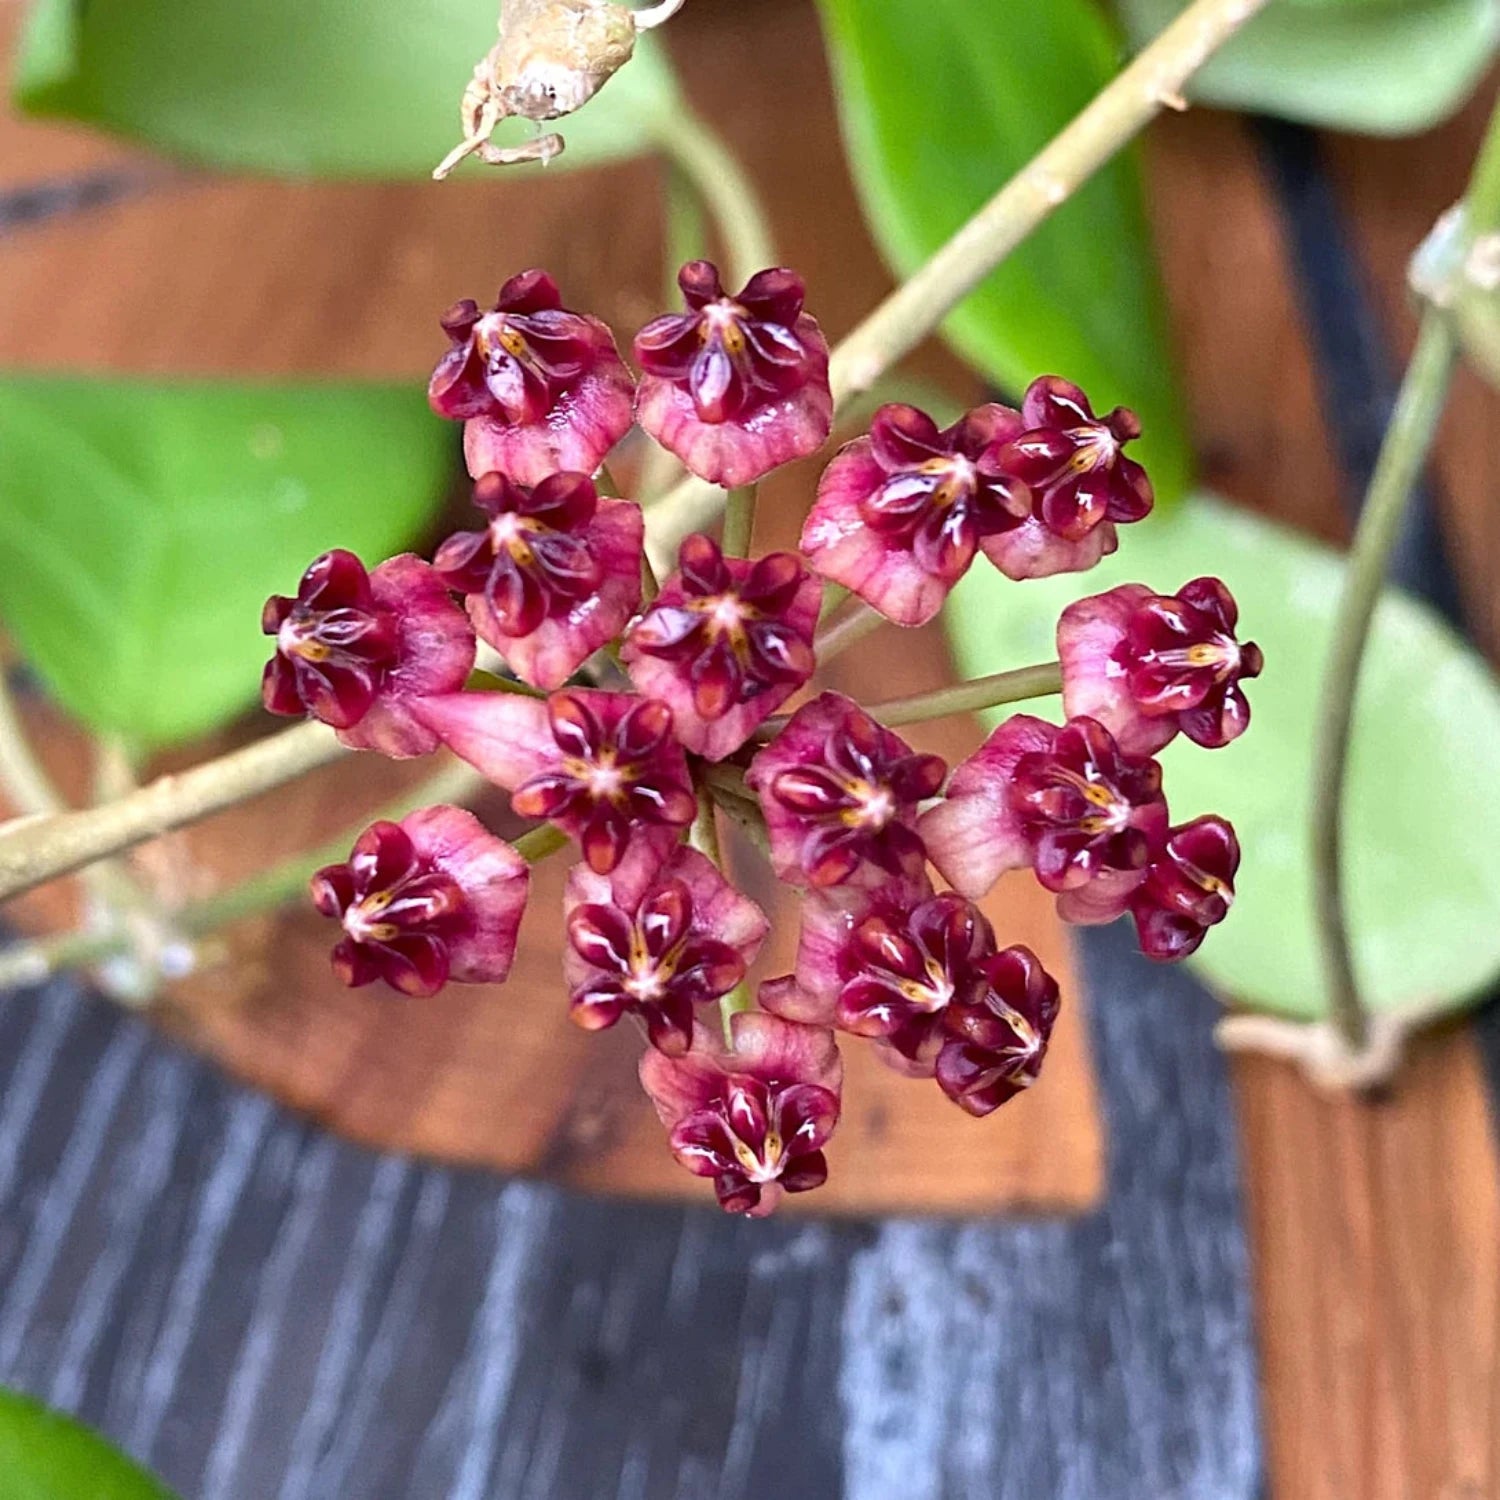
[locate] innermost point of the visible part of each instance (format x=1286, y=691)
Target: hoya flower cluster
x=636, y=710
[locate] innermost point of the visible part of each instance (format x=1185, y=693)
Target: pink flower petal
x=973, y=836
x=550, y=654
x=1089, y=632
x=587, y=421
x=435, y=655
x=506, y=737
x=492, y=876
x=845, y=550
x=1031, y=551
x=740, y=451
x=659, y=677
x=719, y=910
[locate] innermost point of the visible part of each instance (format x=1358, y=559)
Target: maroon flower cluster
x=636, y=711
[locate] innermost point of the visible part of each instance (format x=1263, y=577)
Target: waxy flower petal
x=1081, y=483
x=829, y=919
x=974, y=835
x=359, y=650
x=1188, y=889
x=433, y=898
x=656, y=945
x=1089, y=809
x=541, y=389
x=1066, y=801
x=901, y=512
x=1147, y=665
x=553, y=577
x=604, y=767
x=754, y=1116
x=725, y=644
x=735, y=386
x=994, y=1046
x=920, y=975
x=840, y=794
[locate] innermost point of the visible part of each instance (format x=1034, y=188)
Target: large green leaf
x=942, y=101
x=143, y=525
x=44, y=1456
x=1421, y=827
x=1385, y=67
x=348, y=88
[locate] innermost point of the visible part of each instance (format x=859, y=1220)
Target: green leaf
x=143, y=525
x=1421, y=827
x=344, y=88
x=942, y=101
x=1382, y=67
x=45, y=1456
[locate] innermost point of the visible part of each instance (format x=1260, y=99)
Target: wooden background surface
x=1374, y=1229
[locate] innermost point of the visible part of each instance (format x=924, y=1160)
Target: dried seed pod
x=553, y=56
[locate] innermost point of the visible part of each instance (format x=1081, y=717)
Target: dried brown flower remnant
x=553, y=56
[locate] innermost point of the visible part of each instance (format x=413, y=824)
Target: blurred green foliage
x=1385, y=67
x=1423, y=883
x=143, y=524
x=941, y=103
x=341, y=88
x=45, y=1456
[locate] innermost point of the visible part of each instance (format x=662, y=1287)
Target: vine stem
x=704, y=837
x=37, y=849
x=1152, y=82
x=47, y=847
x=714, y=172
x=31, y=962
x=973, y=697
x=848, y=621
x=739, y=521
x=1403, y=454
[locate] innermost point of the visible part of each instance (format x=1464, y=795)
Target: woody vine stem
x=40, y=848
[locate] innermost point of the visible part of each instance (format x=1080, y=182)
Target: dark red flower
x=735, y=386
x=1147, y=665
x=542, y=389
x=974, y=835
x=657, y=948
x=554, y=575
x=433, y=898
x=1188, y=889
x=904, y=971
x=1081, y=482
x=994, y=1047
x=920, y=975
x=726, y=643
x=900, y=513
x=1087, y=817
x=357, y=649
x=840, y=795
x=603, y=766
x=754, y=1116
x=1088, y=808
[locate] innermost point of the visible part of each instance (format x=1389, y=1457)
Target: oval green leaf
x=1420, y=830
x=339, y=88
x=1380, y=67
x=942, y=101
x=142, y=526
x=45, y=1456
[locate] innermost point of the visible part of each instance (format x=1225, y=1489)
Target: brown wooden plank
x=1373, y=1226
